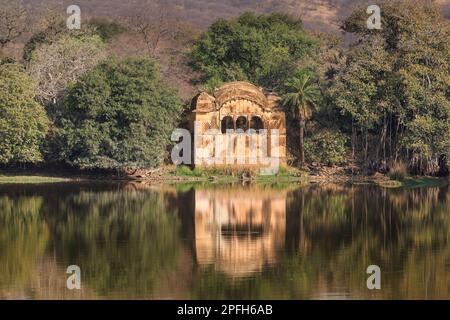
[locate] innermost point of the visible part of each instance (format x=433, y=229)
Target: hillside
x=322, y=15
x=191, y=17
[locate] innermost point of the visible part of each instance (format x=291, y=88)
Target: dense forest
x=108, y=96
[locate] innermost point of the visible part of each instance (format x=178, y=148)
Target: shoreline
x=36, y=177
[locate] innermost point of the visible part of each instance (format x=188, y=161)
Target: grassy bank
x=185, y=175
x=414, y=182
x=230, y=174
x=30, y=179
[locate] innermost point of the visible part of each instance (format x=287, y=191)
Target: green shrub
x=106, y=29
x=326, y=147
x=119, y=115
x=185, y=171
x=23, y=121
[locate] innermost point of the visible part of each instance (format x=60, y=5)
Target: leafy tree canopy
x=103, y=28
x=394, y=85
x=119, y=115
x=263, y=49
x=23, y=122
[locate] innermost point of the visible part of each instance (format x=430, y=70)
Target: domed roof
x=240, y=90
x=232, y=91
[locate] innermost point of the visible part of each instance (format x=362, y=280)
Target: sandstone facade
x=238, y=107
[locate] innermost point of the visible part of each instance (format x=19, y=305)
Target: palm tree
x=301, y=99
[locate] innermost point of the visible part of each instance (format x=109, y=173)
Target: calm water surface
x=223, y=242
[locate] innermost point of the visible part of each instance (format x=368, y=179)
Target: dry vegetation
x=165, y=28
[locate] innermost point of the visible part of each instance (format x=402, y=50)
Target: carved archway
x=256, y=123
x=227, y=123
x=242, y=123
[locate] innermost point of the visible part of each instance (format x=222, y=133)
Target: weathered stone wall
x=246, y=102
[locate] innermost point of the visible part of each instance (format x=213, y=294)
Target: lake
x=235, y=241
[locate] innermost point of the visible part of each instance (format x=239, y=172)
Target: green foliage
x=119, y=115
x=106, y=29
x=232, y=174
x=103, y=28
x=393, y=87
x=427, y=139
x=360, y=89
x=23, y=122
x=300, y=99
x=224, y=172
x=261, y=49
x=327, y=147
x=186, y=171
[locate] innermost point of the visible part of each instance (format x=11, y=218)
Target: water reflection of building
x=239, y=231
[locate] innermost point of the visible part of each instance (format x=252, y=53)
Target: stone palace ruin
x=245, y=120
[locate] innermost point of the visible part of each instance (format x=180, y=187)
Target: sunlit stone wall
x=234, y=106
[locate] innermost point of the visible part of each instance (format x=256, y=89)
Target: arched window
x=227, y=124
x=256, y=123
x=242, y=123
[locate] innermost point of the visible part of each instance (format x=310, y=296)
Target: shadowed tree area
x=132, y=243
x=24, y=237
x=122, y=241
x=334, y=233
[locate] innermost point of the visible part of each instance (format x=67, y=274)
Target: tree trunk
x=302, y=145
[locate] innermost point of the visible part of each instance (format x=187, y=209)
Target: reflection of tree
x=405, y=232
x=128, y=244
x=122, y=241
x=23, y=238
x=334, y=233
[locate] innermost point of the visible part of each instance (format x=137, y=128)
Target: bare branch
x=152, y=24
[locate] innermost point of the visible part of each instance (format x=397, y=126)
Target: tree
x=152, y=25
x=119, y=116
x=56, y=65
x=23, y=122
x=360, y=92
x=253, y=48
x=301, y=99
x=326, y=146
x=393, y=87
x=53, y=27
x=13, y=21
x=106, y=29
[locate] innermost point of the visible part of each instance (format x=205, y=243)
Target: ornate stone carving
x=240, y=101
x=203, y=102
